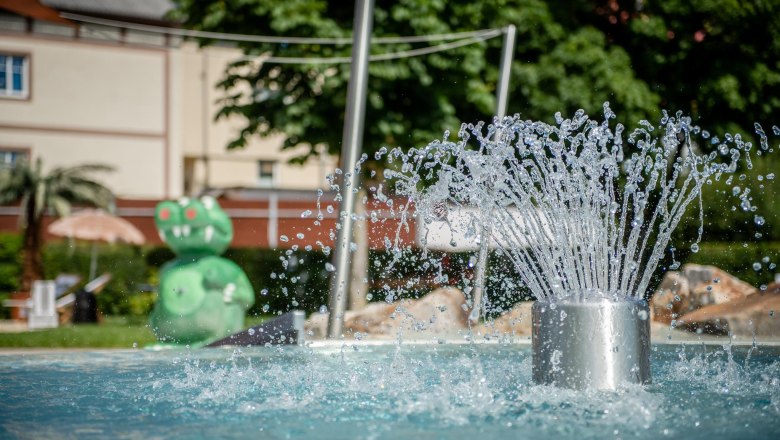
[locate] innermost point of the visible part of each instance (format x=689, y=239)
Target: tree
x=718, y=60
x=411, y=101
x=36, y=192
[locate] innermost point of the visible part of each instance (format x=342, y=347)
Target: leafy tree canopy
x=718, y=60
x=413, y=100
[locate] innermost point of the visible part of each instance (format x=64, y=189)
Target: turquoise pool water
x=378, y=392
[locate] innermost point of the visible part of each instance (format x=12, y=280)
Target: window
x=10, y=157
x=14, y=76
x=266, y=170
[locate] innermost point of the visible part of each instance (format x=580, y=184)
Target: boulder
x=694, y=287
x=752, y=315
x=515, y=322
x=439, y=313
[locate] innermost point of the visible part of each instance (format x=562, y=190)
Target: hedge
x=285, y=280
x=738, y=259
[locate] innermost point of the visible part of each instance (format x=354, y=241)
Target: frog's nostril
x=190, y=213
x=165, y=214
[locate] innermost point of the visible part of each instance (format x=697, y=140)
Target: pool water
x=387, y=391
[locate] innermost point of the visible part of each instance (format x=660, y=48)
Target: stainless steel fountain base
x=591, y=345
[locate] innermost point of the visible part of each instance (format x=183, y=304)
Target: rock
x=515, y=322
x=694, y=287
x=752, y=315
x=439, y=313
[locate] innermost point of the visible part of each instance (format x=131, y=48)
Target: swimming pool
x=380, y=391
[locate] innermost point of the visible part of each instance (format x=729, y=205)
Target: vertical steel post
x=502, y=95
x=505, y=72
x=350, y=152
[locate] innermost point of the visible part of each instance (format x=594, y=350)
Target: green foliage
x=738, y=259
x=126, y=264
x=10, y=268
x=36, y=191
x=411, y=100
x=718, y=60
x=282, y=281
x=10, y=261
x=582, y=72
x=726, y=218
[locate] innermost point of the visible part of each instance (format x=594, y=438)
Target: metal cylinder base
x=591, y=345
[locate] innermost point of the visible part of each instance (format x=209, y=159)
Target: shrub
x=126, y=264
x=738, y=259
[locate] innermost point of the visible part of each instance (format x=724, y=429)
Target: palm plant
x=38, y=192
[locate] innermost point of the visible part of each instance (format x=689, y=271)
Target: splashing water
x=581, y=210
x=380, y=392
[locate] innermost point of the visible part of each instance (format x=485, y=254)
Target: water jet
x=582, y=213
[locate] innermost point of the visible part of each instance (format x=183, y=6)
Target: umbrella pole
x=93, y=262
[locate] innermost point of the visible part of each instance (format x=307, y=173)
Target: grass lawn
x=113, y=332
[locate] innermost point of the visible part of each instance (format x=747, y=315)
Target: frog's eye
x=165, y=214
x=190, y=213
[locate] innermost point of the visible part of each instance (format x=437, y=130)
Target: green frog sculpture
x=202, y=296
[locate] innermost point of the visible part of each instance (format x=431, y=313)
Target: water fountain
x=583, y=216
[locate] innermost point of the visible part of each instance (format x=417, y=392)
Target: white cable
x=384, y=56
x=267, y=38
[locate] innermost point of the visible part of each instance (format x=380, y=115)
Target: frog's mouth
x=183, y=231
x=179, y=232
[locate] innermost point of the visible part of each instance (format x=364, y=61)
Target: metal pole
x=507, y=55
x=93, y=262
x=502, y=94
x=350, y=152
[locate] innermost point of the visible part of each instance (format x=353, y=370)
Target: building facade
x=141, y=102
x=75, y=92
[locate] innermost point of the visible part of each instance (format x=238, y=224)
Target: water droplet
x=759, y=220
x=757, y=266
x=299, y=235
x=251, y=332
x=284, y=238
x=329, y=267
x=695, y=248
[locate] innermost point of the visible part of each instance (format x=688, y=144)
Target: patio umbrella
x=96, y=225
